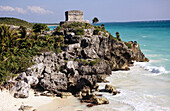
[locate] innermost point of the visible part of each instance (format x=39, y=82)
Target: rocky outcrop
x=99, y=101
x=84, y=61
x=54, y=81
x=111, y=89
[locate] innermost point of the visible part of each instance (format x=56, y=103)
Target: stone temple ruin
x=74, y=16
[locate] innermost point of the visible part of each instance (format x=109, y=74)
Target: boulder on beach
x=110, y=89
x=99, y=100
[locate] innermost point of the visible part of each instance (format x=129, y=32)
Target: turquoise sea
x=52, y=27
x=146, y=87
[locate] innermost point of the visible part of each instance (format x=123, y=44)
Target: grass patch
x=77, y=25
x=88, y=62
x=15, y=21
x=78, y=31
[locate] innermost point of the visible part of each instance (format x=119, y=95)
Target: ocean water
x=52, y=27
x=146, y=87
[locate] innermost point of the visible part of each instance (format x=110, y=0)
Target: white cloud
x=38, y=10
x=12, y=9
x=20, y=10
x=32, y=9
x=6, y=8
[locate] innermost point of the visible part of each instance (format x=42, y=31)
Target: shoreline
x=52, y=25
x=71, y=103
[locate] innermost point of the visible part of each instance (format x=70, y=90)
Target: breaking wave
x=153, y=69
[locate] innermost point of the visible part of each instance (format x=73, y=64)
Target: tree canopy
x=40, y=27
x=95, y=20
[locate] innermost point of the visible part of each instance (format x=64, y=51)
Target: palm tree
x=118, y=36
x=95, y=20
x=23, y=31
x=7, y=37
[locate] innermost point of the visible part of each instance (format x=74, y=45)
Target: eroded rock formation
x=80, y=64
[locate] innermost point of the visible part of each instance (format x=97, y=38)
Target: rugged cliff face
x=84, y=61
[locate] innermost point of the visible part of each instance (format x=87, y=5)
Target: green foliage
x=94, y=62
x=15, y=21
x=111, y=37
x=118, y=36
x=86, y=62
x=97, y=29
x=102, y=25
x=58, y=28
x=95, y=20
x=78, y=31
x=119, y=39
x=96, y=32
x=40, y=28
x=58, y=31
x=17, y=50
x=77, y=25
x=128, y=45
x=23, y=31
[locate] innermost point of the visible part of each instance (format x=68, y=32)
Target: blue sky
x=52, y=11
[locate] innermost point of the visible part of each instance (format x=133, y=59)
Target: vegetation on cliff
x=17, y=49
x=15, y=21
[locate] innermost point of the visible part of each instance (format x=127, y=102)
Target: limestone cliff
x=84, y=60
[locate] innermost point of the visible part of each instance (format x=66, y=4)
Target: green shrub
x=78, y=31
x=77, y=25
x=96, y=32
x=128, y=45
x=40, y=28
x=95, y=20
x=94, y=62
x=99, y=28
x=86, y=62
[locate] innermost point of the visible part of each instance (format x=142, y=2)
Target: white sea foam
x=146, y=50
x=138, y=92
x=153, y=55
x=144, y=36
x=153, y=69
x=131, y=100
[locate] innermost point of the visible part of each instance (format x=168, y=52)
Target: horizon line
x=92, y=23
x=136, y=21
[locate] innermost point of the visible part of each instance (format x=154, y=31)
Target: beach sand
x=72, y=104
x=43, y=103
x=61, y=104
x=9, y=103
x=40, y=103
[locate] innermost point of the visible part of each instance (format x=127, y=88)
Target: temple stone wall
x=74, y=15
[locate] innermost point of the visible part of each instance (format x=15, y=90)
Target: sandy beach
x=40, y=103
x=9, y=103
x=44, y=103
